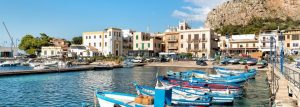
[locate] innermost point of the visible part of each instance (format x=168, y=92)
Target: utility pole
x=281, y=52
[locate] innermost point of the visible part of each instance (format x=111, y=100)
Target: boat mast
x=11, y=38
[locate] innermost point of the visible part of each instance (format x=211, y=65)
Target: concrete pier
x=75, y=69
x=283, y=92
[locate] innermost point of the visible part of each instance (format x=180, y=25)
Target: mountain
x=241, y=13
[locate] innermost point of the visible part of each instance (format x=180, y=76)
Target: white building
x=108, y=42
x=265, y=38
x=82, y=51
x=51, y=51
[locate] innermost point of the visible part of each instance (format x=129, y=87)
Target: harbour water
x=74, y=88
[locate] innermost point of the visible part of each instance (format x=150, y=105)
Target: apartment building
x=264, y=40
x=291, y=41
x=108, y=42
x=127, y=41
x=183, y=39
x=146, y=44
x=245, y=44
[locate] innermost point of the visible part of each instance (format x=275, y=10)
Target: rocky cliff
x=240, y=12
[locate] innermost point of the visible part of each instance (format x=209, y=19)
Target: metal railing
x=291, y=75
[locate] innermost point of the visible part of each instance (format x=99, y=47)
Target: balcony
x=197, y=50
x=172, y=40
x=190, y=40
x=172, y=47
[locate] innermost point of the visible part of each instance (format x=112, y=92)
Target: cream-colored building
x=146, y=44
x=239, y=44
x=291, y=41
x=52, y=51
x=108, y=42
x=183, y=39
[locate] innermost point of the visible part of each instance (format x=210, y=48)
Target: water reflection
x=73, y=88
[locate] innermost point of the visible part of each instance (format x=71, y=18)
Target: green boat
x=243, y=62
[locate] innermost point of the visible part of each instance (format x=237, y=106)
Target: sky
x=69, y=18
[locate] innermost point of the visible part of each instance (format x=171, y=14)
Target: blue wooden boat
x=188, y=99
x=234, y=89
x=249, y=74
x=179, y=92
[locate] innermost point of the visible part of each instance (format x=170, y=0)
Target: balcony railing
x=172, y=40
x=197, y=50
x=172, y=47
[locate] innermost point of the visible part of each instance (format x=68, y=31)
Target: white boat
x=113, y=99
x=40, y=67
x=51, y=63
x=127, y=63
x=9, y=63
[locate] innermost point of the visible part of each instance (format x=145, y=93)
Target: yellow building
x=292, y=41
x=146, y=44
x=183, y=39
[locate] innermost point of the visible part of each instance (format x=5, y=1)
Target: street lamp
x=281, y=37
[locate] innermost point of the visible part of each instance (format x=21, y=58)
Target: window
x=189, y=37
x=295, y=37
x=137, y=37
x=142, y=45
x=94, y=44
x=94, y=36
x=86, y=37
x=137, y=45
x=288, y=36
x=247, y=45
x=100, y=44
x=203, y=45
x=181, y=45
x=154, y=45
x=196, y=46
x=45, y=52
x=189, y=46
x=52, y=52
x=89, y=44
x=100, y=36
x=109, y=33
x=264, y=44
x=148, y=45
x=295, y=45
x=203, y=36
x=288, y=45
x=181, y=36
x=253, y=45
x=241, y=46
x=105, y=44
x=105, y=36
x=196, y=36
x=158, y=45
x=89, y=37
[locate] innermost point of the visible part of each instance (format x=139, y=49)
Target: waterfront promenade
x=192, y=64
x=285, y=88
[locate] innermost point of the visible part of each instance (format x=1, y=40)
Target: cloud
x=196, y=10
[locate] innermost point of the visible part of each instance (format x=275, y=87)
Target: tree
x=77, y=40
x=28, y=44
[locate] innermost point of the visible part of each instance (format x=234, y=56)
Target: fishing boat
x=188, y=93
x=9, y=63
x=221, y=70
x=225, y=61
x=234, y=61
x=114, y=99
x=243, y=62
x=234, y=89
x=127, y=63
x=180, y=99
x=251, y=61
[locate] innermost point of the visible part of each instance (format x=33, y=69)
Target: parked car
x=137, y=60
